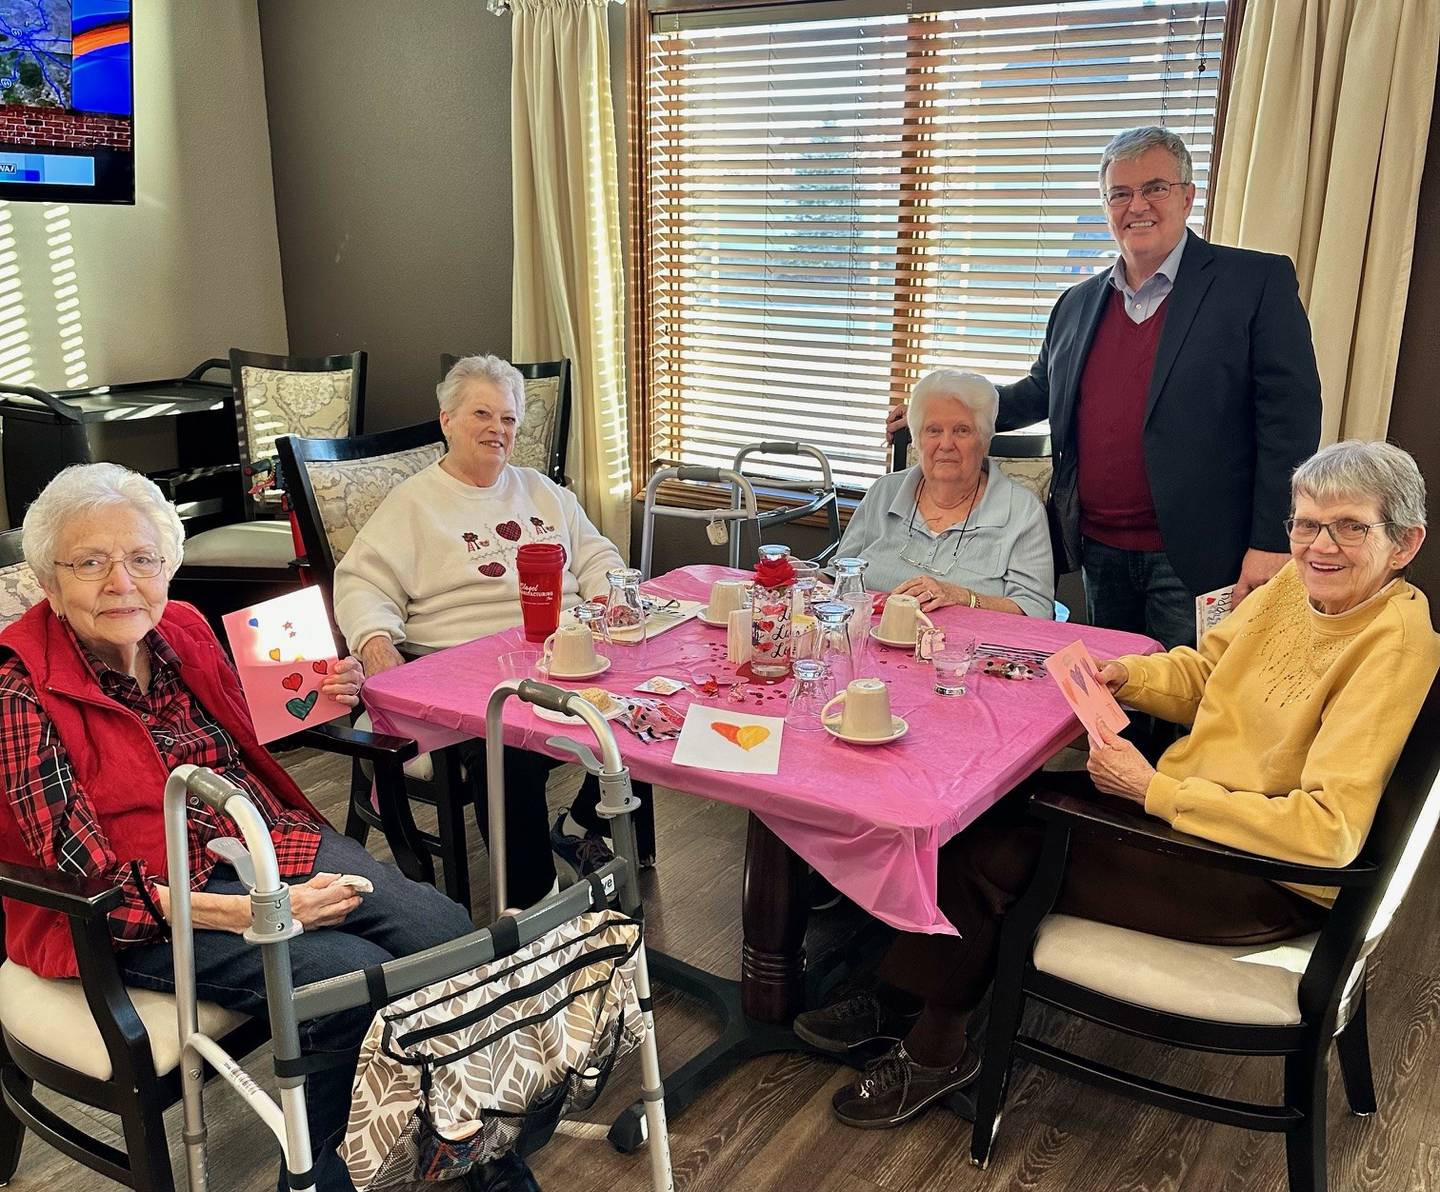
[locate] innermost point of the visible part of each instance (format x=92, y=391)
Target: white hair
x=81, y=489
x=1356, y=470
x=970, y=388
x=1136, y=142
x=490, y=369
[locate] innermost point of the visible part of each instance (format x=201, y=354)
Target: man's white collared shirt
x=1142, y=303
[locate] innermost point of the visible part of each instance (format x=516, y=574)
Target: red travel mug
x=540, y=567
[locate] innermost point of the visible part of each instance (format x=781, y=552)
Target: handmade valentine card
x=283, y=649
x=1075, y=672
x=729, y=740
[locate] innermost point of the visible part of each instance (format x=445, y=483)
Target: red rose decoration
x=510, y=531
x=493, y=570
x=776, y=573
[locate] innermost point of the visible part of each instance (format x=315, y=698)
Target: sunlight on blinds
x=838, y=204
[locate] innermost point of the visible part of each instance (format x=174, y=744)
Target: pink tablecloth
x=870, y=818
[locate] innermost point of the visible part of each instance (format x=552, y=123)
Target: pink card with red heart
x=1080, y=684
x=283, y=649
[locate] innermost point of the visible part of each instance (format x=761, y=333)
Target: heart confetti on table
x=300, y=708
x=291, y=682
x=746, y=736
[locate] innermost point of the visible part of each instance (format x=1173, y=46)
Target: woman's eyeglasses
x=1344, y=533
x=142, y=564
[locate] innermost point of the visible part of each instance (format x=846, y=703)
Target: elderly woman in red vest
x=105, y=687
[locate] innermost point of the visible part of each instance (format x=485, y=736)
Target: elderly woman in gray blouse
x=955, y=529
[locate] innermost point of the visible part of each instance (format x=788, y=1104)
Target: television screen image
x=66, y=101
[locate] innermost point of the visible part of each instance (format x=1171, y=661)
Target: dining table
x=871, y=819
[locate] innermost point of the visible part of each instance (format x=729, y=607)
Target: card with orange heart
x=729, y=740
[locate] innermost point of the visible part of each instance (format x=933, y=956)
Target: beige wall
x=193, y=268
x=390, y=123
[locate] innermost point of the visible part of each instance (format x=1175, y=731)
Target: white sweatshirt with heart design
x=435, y=564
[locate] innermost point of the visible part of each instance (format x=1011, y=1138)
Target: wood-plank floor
x=768, y=1125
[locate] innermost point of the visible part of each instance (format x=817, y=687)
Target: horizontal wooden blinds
x=839, y=202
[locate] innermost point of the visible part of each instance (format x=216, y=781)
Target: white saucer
x=891, y=641
x=590, y=674
x=898, y=727
x=562, y=718
x=703, y=616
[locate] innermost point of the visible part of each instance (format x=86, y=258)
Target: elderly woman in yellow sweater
x=1298, y=705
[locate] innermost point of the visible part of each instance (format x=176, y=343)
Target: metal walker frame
x=743, y=505
x=272, y=927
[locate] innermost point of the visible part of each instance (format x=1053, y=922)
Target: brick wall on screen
x=21, y=125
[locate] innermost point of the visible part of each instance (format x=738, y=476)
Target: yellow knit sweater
x=1298, y=719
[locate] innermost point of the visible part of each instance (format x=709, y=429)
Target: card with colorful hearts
x=283, y=649
x=729, y=740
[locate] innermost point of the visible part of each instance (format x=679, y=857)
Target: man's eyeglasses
x=1154, y=192
x=1344, y=533
x=142, y=564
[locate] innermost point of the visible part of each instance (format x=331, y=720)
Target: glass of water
x=952, y=664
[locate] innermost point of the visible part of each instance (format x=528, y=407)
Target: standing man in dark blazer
x=1181, y=391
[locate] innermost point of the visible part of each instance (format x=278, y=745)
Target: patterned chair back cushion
x=313, y=404
x=349, y=491
x=1034, y=474
x=19, y=589
x=534, y=437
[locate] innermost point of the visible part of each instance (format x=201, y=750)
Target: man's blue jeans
x=1137, y=591
x=398, y=918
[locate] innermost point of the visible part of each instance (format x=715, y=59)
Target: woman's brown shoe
x=895, y=1089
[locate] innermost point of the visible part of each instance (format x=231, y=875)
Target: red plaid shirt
x=58, y=823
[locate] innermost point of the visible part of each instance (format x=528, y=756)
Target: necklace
x=974, y=493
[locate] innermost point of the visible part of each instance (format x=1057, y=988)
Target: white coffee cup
x=865, y=710
x=570, y=650
x=726, y=596
x=737, y=636
x=901, y=617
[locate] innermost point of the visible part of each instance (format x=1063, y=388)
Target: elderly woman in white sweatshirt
x=435, y=566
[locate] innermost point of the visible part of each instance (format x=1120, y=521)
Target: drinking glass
x=952, y=664
x=591, y=614
x=522, y=664
x=832, y=641
x=627, y=617
x=849, y=579
x=811, y=692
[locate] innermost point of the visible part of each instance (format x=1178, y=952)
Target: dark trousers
x=1137, y=591
x=529, y=866
x=398, y=918
x=985, y=870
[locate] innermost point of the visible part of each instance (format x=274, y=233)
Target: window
x=837, y=203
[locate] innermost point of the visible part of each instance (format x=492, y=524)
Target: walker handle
x=545, y=695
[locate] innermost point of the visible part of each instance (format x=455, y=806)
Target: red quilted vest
x=114, y=759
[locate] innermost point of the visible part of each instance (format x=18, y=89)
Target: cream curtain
x=568, y=297
x=1323, y=149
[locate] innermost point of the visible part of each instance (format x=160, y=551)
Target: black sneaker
x=851, y=1026
x=895, y=1089
x=584, y=854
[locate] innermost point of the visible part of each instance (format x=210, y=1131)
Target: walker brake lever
x=583, y=753
x=232, y=852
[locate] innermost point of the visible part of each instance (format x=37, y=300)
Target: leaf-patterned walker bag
x=465, y=1069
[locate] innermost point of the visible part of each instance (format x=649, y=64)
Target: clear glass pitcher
x=849, y=579
x=627, y=620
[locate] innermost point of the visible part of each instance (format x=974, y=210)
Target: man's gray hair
x=1136, y=142
x=81, y=490
x=490, y=369
x=1358, y=470
x=970, y=388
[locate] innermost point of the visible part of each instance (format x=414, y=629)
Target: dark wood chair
x=337, y=484
x=94, y=1041
x=256, y=557
x=544, y=433
x=1288, y=1000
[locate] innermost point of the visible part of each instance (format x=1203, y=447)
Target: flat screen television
x=67, y=127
